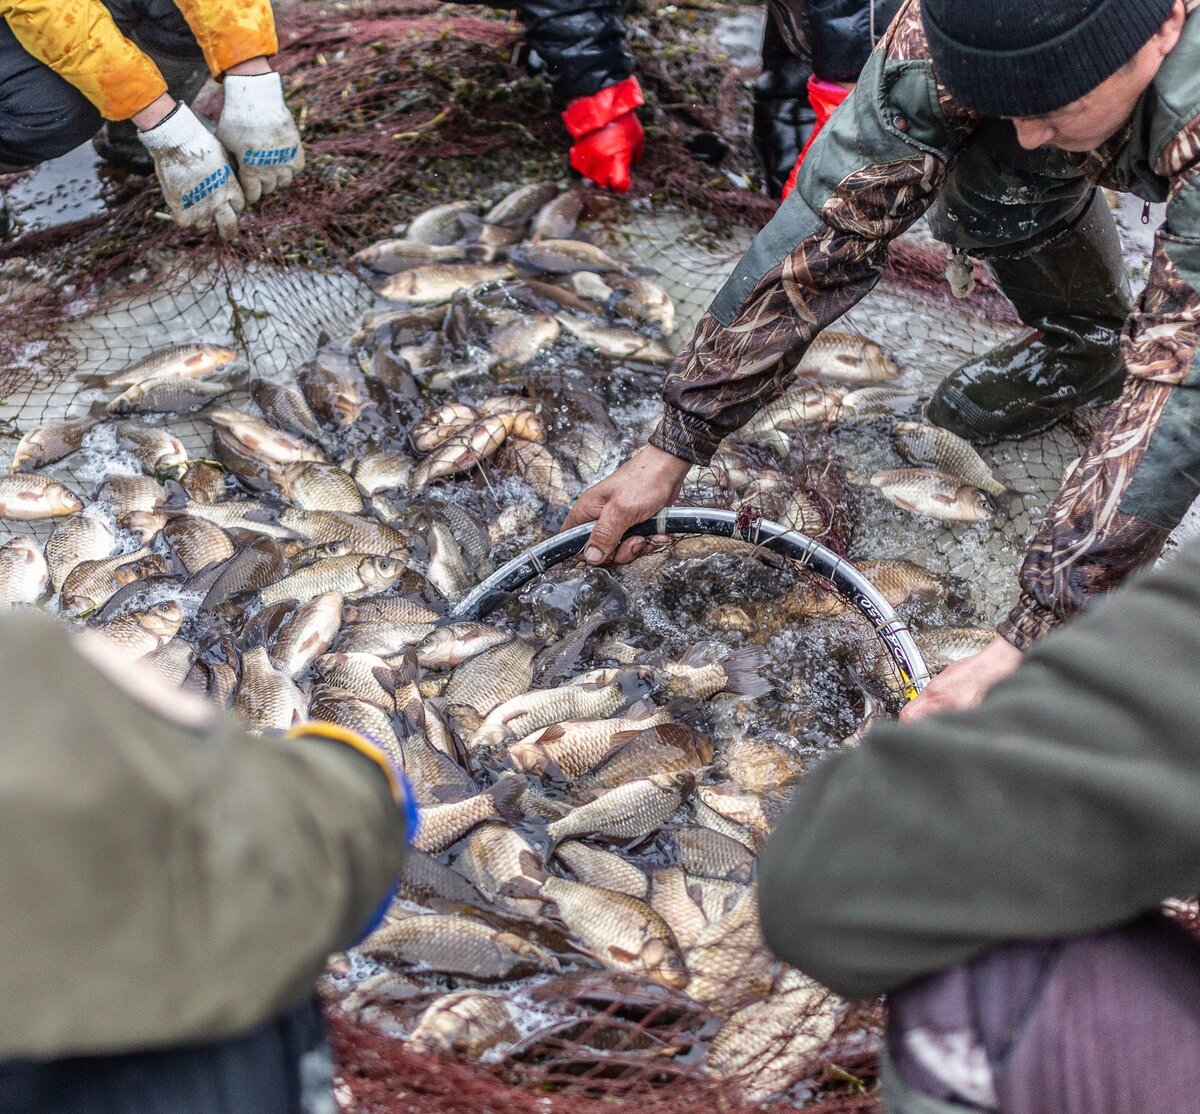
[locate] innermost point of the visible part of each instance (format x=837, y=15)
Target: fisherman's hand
x=640, y=488
x=196, y=180
x=257, y=129
x=965, y=683
x=608, y=135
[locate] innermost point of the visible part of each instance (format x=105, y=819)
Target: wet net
x=407, y=104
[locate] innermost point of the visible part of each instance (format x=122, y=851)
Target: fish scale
x=945, y=451
x=492, y=677
x=627, y=812
x=621, y=931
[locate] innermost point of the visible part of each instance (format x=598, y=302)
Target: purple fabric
x=1107, y=1023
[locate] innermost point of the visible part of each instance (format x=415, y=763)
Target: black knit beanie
x=1027, y=57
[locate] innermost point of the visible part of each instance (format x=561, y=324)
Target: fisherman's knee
x=41, y=117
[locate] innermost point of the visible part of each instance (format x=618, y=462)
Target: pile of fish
x=599, y=760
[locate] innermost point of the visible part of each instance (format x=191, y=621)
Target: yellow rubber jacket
x=80, y=42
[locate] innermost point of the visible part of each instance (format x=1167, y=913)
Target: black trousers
x=283, y=1067
x=43, y=116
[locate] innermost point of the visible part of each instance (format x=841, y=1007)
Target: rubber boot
x=783, y=118
x=1074, y=290
x=117, y=142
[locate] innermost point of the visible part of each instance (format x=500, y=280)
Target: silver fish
x=622, y=932
x=612, y=340
x=439, y=282
x=441, y=225
x=78, y=538
x=268, y=698
x=24, y=575
x=556, y=220
x=919, y=443
x=29, y=496
x=193, y=361
x=629, y=811
x=934, y=494
x=848, y=358
x=48, y=444
x=308, y=633
x=173, y=395
x=516, y=208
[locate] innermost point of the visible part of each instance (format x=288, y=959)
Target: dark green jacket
x=1068, y=801
x=165, y=877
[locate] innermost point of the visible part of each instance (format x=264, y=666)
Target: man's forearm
x=871, y=173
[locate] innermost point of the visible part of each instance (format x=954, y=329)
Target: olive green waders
x=1051, y=245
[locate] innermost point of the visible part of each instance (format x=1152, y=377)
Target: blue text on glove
x=202, y=189
x=273, y=157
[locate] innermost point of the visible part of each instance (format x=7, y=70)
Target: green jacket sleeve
x=873, y=170
x=1067, y=802
x=168, y=878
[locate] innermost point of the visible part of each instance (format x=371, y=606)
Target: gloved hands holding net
x=256, y=128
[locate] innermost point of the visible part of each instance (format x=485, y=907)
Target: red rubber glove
x=824, y=96
x=608, y=135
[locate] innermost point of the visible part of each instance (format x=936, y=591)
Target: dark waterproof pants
x=43, y=116
x=1107, y=1023
x=283, y=1067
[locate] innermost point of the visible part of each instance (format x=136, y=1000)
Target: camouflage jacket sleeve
x=873, y=170
x=1141, y=471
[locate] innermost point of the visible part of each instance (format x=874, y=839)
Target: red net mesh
x=381, y=1075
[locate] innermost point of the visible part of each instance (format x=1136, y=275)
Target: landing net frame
x=806, y=552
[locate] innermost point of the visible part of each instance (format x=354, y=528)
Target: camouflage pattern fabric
x=880, y=163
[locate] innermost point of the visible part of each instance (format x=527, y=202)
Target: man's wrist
x=155, y=112
x=252, y=67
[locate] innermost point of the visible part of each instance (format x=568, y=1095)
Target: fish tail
x=505, y=795
x=742, y=672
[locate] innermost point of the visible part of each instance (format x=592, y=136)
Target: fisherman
x=1004, y=117
x=67, y=67
x=998, y=873
x=812, y=54
x=172, y=886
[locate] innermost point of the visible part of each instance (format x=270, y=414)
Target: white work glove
x=258, y=131
x=194, y=174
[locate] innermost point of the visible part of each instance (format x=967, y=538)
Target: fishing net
x=404, y=104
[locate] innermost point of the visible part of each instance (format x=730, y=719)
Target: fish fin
x=697, y=655
x=741, y=672
x=678, y=708
x=386, y=676
x=504, y=794
x=523, y=888
x=176, y=499
x=633, y=685
x=407, y=672
x=622, y=737
x=550, y=734
x=1004, y=500
x=550, y=770
x=621, y=954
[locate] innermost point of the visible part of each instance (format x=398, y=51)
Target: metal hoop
x=807, y=552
